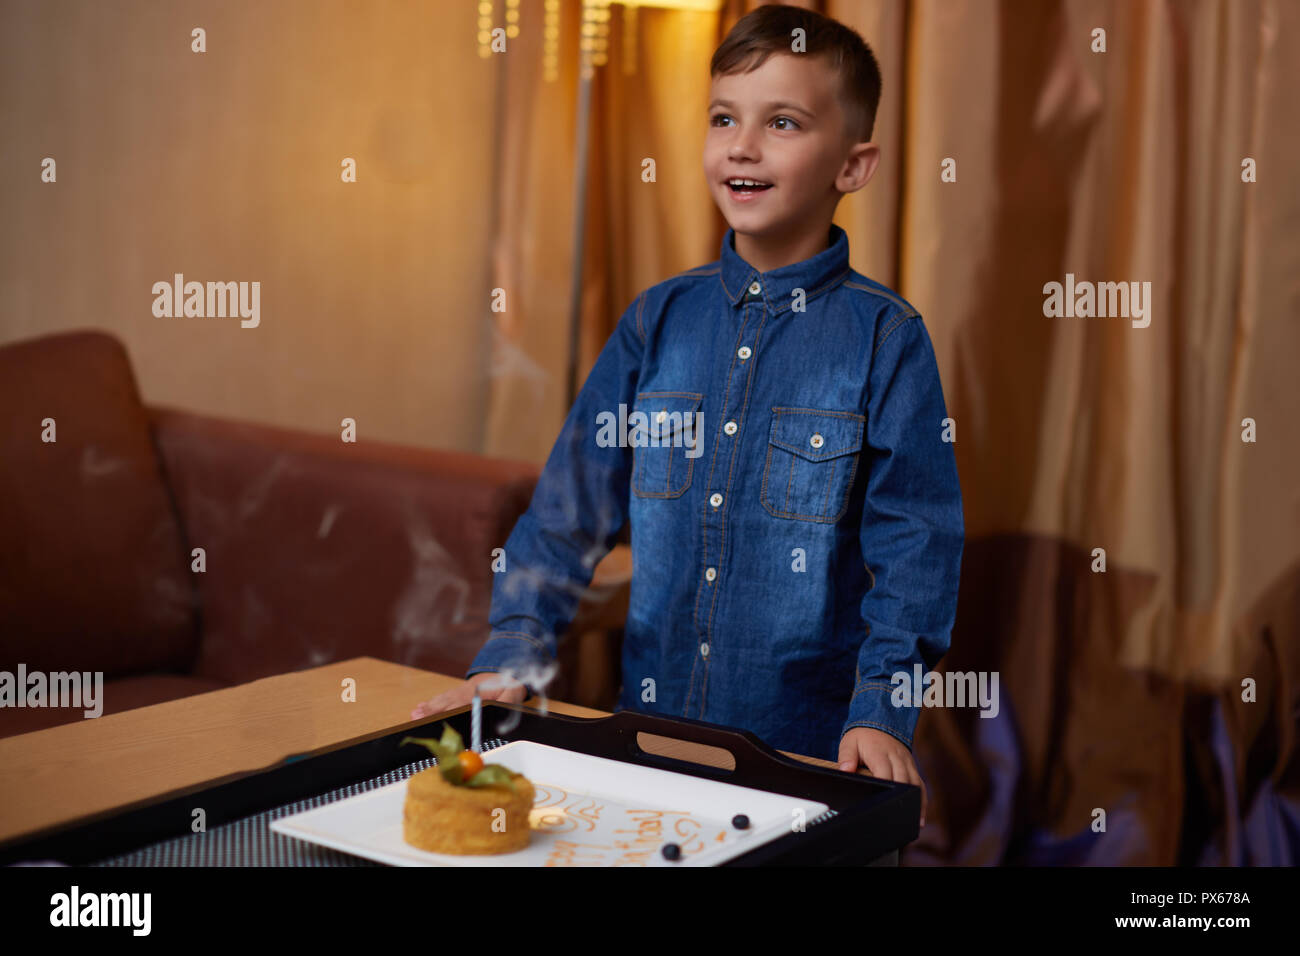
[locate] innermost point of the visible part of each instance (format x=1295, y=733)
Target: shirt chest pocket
x=812, y=458
x=665, y=440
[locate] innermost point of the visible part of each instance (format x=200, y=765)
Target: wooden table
x=93, y=767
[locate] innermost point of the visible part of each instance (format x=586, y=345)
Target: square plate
x=589, y=811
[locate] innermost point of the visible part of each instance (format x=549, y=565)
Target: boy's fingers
x=464, y=694
x=873, y=760
x=898, y=767
x=434, y=705
x=887, y=765
x=917, y=781
x=848, y=756
x=914, y=778
x=876, y=763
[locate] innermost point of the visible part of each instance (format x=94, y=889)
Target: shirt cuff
x=872, y=706
x=511, y=650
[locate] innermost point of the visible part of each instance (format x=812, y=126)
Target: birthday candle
x=476, y=724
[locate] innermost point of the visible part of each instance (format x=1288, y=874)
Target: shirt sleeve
x=912, y=528
x=577, y=509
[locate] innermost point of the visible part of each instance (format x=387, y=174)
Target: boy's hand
x=883, y=755
x=462, y=694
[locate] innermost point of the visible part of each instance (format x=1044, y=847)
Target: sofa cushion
x=319, y=550
x=93, y=571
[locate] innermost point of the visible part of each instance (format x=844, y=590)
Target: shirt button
x=816, y=441
x=710, y=573
x=730, y=428
x=744, y=352
x=704, y=650
x=755, y=288
x=662, y=415
x=715, y=499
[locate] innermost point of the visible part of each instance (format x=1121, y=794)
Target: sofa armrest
x=317, y=550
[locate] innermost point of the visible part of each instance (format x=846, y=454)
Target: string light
x=551, y=41
x=485, y=28
x=594, y=39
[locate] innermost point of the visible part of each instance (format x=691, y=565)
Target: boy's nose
x=744, y=144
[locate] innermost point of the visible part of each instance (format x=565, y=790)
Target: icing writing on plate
x=612, y=834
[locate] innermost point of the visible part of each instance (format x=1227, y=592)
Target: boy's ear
x=859, y=167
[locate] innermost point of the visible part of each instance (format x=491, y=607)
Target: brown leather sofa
x=313, y=550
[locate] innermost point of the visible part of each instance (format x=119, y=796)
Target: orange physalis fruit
x=470, y=763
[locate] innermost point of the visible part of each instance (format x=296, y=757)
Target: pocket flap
x=667, y=412
x=817, y=434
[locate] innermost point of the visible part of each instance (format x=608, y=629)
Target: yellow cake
x=445, y=818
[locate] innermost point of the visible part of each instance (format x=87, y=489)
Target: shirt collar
x=816, y=275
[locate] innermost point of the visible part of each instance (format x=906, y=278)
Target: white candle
x=476, y=724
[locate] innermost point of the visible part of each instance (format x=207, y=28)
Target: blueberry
x=671, y=851
x=740, y=821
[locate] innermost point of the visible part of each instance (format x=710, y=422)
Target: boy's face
x=782, y=124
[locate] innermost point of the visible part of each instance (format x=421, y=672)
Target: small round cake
x=442, y=817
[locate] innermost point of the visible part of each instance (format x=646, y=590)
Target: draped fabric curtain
x=1148, y=711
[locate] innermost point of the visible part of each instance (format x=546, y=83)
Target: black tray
x=868, y=818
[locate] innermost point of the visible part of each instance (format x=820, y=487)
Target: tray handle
x=755, y=761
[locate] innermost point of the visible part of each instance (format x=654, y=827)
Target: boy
x=803, y=546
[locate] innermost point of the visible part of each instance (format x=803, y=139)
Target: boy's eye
x=779, y=119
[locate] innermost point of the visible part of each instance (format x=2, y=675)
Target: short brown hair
x=767, y=29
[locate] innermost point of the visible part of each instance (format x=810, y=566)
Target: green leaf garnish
x=448, y=749
x=451, y=739
x=492, y=774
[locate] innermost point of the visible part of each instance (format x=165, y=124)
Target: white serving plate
x=589, y=811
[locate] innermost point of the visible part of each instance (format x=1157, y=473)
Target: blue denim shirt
x=795, y=515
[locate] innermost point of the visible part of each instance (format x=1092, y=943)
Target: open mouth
x=747, y=185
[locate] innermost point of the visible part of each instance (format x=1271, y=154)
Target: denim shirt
x=795, y=515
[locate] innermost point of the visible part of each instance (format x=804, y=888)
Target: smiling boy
x=805, y=546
